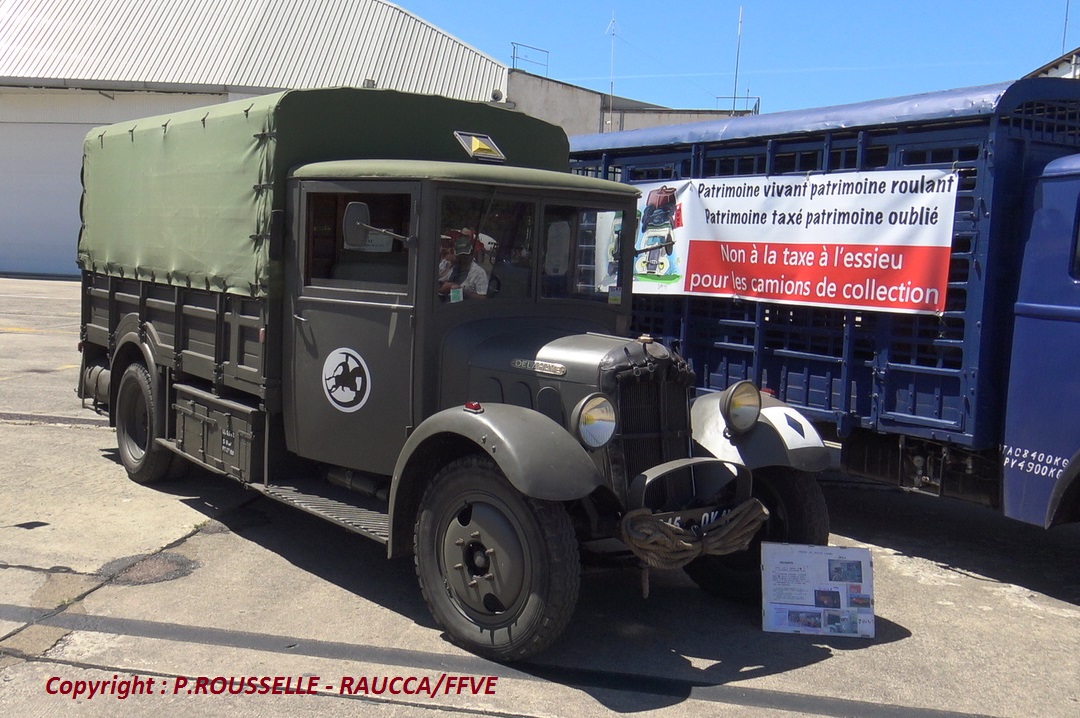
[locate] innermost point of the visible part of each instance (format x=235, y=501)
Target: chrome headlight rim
x=741, y=406
x=594, y=421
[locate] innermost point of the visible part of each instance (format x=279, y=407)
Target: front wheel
x=500, y=571
x=136, y=427
x=797, y=514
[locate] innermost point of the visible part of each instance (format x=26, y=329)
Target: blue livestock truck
x=954, y=374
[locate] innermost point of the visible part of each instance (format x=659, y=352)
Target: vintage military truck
x=261, y=297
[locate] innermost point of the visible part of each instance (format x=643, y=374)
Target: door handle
x=299, y=318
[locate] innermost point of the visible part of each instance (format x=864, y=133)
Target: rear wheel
x=500, y=571
x=797, y=514
x=136, y=427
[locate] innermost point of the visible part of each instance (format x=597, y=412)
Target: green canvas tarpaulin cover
x=185, y=199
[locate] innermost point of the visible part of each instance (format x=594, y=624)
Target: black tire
x=136, y=427
x=524, y=598
x=797, y=514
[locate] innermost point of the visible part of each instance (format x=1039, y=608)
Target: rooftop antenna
x=738, y=52
x=611, y=86
x=1065, y=30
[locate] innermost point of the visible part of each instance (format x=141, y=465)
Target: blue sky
x=793, y=54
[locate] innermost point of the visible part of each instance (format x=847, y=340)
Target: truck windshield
x=486, y=248
x=490, y=248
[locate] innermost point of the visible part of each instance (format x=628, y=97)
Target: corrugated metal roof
x=236, y=45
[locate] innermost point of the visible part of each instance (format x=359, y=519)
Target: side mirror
x=277, y=235
x=355, y=225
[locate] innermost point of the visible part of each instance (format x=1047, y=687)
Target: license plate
x=696, y=520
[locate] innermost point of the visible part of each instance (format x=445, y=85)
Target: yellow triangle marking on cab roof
x=480, y=147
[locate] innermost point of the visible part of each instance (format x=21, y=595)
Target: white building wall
x=575, y=109
x=639, y=119
x=41, y=139
x=584, y=112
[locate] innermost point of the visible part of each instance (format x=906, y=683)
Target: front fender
x=782, y=436
x=537, y=455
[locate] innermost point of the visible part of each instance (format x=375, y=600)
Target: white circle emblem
x=346, y=381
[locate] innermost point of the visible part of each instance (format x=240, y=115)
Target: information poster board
x=821, y=590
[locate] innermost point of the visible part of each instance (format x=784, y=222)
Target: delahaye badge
x=540, y=367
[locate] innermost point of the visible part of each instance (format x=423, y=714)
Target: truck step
x=349, y=509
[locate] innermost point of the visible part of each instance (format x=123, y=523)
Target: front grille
x=654, y=420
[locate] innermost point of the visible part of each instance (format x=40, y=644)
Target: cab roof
x=473, y=173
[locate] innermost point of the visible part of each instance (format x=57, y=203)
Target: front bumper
x=722, y=519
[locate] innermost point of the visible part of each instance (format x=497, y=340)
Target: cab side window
x=383, y=259
x=580, y=253
x=559, y=228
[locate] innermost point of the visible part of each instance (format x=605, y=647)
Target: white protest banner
x=862, y=240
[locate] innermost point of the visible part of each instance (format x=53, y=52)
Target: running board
x=349, y=509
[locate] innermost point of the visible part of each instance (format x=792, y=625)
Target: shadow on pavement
x=627, y=652
x=959, y=536
x=633, y=654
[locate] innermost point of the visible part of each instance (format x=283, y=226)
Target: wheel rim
x=483, y=560
x=135, y=420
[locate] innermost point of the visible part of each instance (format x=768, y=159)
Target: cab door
x=348, y=323
x=1042, y=435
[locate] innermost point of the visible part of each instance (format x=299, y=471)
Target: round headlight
x=594, y=421
x=741, y=406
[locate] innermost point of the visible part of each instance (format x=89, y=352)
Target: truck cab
x=1039, y=455
x=373, y=309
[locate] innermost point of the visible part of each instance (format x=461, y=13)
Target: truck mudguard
x=539, y=457
x=131, y=331
x=781, y=434
x=1061, y=509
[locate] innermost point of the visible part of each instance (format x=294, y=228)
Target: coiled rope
x=664, y=545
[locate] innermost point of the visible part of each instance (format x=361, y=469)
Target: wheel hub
x=483, y=559
x=476, y=556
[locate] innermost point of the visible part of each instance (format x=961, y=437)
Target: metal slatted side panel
x=933, y=377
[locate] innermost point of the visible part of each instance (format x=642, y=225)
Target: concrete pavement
x=104, y=580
